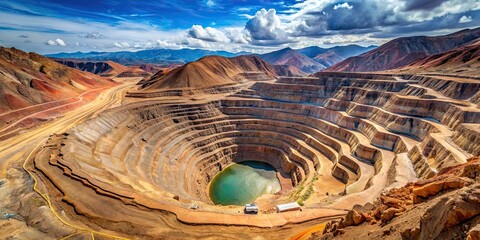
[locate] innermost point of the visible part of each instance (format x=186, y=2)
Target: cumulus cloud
x=121, y=45
x=210, y=3
x=343, y=5
x=207, y=34
x=343, y=39
x=266, y=25
x=56, y=42
x=313, y=24
x=295, y=22
x=154, y=44
x=465, y=19
x=95, y=35
x=194, y=43
x=317, y=18
x=237, y=35
x=165, y=44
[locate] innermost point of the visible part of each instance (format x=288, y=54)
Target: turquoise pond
x=242, y=183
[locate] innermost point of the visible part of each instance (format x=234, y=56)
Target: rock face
x=288, y=56
x=328, y=58
x=403, y=51
x=107, y=68
x=441, y=203
x=27, y=79
x=288, y=71
x=464, y=59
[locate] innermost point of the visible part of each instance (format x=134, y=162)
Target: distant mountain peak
x=402, y=51
x=291, y=57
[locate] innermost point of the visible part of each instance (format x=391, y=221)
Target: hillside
x=446, y=206
x=208, y=72
x=403, y=51
x=288, y=56
x=463, y=60
x=288, y=71
x=330, y=56
x=28, y=79
x=342, y=51
x=107, y=68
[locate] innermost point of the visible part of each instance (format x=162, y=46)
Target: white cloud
x=208, y=34
x=210, y=3
x=347, y=39
x=165, y=44
x=237, y=35
x=244, y=9
x=95, y=35
x=247, y=16
x=56, y=42
x=447, y=7
x=266, y=25
x=121, y=45
x=343, y=5
x=465, y=19
x=194, y=43
x=60, y=42
x=307, y=6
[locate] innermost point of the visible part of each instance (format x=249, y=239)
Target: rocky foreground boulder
x=446, y=206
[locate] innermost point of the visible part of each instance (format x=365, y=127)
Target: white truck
x=288, y=207
x=251, y=208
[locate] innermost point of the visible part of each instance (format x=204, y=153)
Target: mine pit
x=243, y=183
x=330, y=141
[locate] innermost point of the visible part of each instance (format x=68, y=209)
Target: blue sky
x=236, y=25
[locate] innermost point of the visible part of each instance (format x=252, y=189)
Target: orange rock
x=369, y=216
x=378, y=212
x=392, y=202
x=433, y=188
x=354, y=217
x=388, y=214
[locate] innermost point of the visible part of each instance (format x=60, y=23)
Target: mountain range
x=152, y=56
x=313, y=59
x=394, y=54
x=403, y=51
x=306, y=60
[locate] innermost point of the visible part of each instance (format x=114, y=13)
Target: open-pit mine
x=143, y=167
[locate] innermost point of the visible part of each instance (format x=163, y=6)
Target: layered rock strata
x=339, y=139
